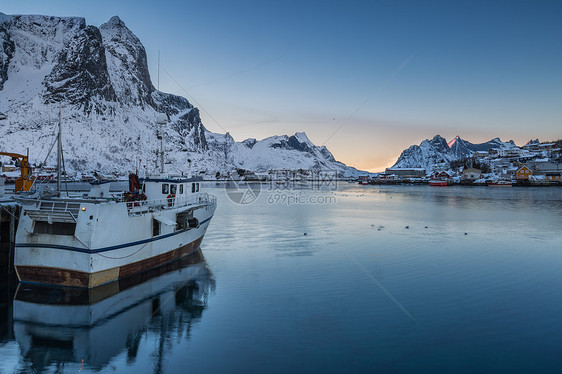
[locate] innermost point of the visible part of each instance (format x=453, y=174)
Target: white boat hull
x=98, y=253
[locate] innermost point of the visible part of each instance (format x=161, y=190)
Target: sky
x=365, y=78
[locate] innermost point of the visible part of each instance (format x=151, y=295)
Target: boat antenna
x=59, y=153
x=158, y=84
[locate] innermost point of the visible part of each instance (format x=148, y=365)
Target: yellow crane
x=25, y=181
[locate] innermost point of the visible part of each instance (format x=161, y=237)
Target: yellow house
x=523, y=173
x=8, y=168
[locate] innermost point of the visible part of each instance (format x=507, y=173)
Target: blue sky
x=388, y=74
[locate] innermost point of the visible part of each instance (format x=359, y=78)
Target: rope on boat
x=112, y=258
x=118, y=258
x=85, y=246
x=8, y=211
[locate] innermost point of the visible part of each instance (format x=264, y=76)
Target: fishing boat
x=90, y=240
x=438, y=183
x=500, y=183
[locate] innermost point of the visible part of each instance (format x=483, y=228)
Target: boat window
x=155, y=227
x=173, y=189
x=197, y=189
x=165, y=188
x=181, y=189
x=192, y=187
x=55, y=228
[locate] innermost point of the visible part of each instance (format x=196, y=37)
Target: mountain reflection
x=54, y=326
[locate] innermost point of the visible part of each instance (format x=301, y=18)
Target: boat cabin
x=157, y=189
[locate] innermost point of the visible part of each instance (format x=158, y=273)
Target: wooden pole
x=59, y=154
x=12, y=240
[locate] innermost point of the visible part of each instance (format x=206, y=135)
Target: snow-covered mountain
x=463, y=148
x=437, y=151
x=100, y=78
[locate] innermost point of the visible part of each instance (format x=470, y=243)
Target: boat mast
x=59, y=155
x=161, y=119
x=162, y=155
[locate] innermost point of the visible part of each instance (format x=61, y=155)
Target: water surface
x=374, y=278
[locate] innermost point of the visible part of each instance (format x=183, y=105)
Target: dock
x=9, y=217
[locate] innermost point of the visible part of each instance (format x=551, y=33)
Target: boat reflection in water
x=55, y=325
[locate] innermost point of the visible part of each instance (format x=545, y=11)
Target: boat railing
x=143, y=206
x=60, y=206
x=53, y=211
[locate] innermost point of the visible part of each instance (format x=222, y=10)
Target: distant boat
x=86, y=177
x=500, y=183
x=438, y=183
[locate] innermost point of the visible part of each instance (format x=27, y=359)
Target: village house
x=480, y=154
x=513, y=153
x=471, y=173
x=523, y=173
x=441, y=175
x=386, y=177
x=553, y=176
x=9, y=168
x=543, y=166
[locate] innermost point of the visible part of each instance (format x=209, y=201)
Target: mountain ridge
x=437, y=152
x=100, y=77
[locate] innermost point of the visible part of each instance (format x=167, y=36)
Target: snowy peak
x=114, y=22
x=128, y=66
x=302, y=138
x=438, y=142
x=428, y=153
x=460, y=147
x=453, y=141
x=531, y=142
x=250, y=143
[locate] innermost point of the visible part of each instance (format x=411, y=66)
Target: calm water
x=388, y=279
